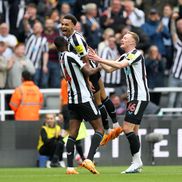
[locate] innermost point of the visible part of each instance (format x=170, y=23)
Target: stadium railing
x=4, y=112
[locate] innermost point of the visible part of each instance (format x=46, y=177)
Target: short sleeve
x=133, y=57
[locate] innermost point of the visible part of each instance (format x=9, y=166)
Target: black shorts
x=95, y=79
x=87, y=111
x=135, y=110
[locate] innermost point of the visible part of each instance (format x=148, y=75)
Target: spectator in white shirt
x=10, y=39
x=136, y=17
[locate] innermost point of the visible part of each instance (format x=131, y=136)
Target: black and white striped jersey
x=113, y=78
x=78, y=91
x=136, y=76
x=77, y=44
x=35, y=47
x=177, y=65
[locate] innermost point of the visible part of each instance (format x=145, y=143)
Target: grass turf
x=107, y=174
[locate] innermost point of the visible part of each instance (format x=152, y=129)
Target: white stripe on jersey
x=34, y=47
x=136, y=76
x=177, y=65
x=93, y=107
x=137, y=107
x=77, y=44
x=114, y=77
x=78, y=91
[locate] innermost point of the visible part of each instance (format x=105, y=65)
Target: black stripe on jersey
x=71, y=91
x=180, y=45
x=144, y=78
x=29, y=42
x=75, y=39
x=137, y=59
x=71, y=48
x=134, y=51
x=121, y=58
x=134, y=83
x=129, y=82
x=177, y=66
x=85, y=44
x=73, y=61
x=39, y=50
x=70, y=60
x=180, y=74
x=33, y=52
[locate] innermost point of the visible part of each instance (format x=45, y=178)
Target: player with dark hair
x=138, y=93
x=78, y=45
x=80, y=104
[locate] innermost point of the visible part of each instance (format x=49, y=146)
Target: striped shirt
x=113, y=78
x=35, y=47
x=136, y=76
x=77, y=44
x=177, y=65
x=78, y=91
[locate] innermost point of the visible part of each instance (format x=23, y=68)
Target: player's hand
x=92, y=88
x=92, y=54
x=45, y=69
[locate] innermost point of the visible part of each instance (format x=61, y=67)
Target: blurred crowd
x=29, y=27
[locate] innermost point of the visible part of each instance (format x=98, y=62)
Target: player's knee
x=127, y=129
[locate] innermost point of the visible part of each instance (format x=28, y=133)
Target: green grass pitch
x=107, y=174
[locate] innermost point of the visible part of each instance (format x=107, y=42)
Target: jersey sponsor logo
x=79, y=49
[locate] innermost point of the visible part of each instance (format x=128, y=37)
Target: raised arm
x=173, y=27
x=111, y=65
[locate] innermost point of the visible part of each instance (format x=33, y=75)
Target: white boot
x=136, y=166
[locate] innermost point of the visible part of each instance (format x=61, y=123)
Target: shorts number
x=131, y=107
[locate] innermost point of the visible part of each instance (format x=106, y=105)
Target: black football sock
x=134, y=142
x=96, y=139
x=79, y=149
x=105, y=120
x=110, y=109
x=70, y=151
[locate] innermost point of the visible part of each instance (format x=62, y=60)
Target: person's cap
x=153, y=11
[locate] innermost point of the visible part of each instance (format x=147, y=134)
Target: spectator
x=31, y=16
x=175, y=79
x=19, y=64
x=113, y=17
x=37, y=51
x=26, y=100
x=144, y=43
x=107, y=33
x=156, y=31
x=91, y=27
x=78, y=6
x=54, y=15
x=12, y=12
x=136, y=17
x=166, y=20
x=119, y=104
x=53, y=76
x=155, y=72
x=65, y=9
x=3, y=65
x=45, y=7
x=10, y=40
x=115, y=80
x=51, y=142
